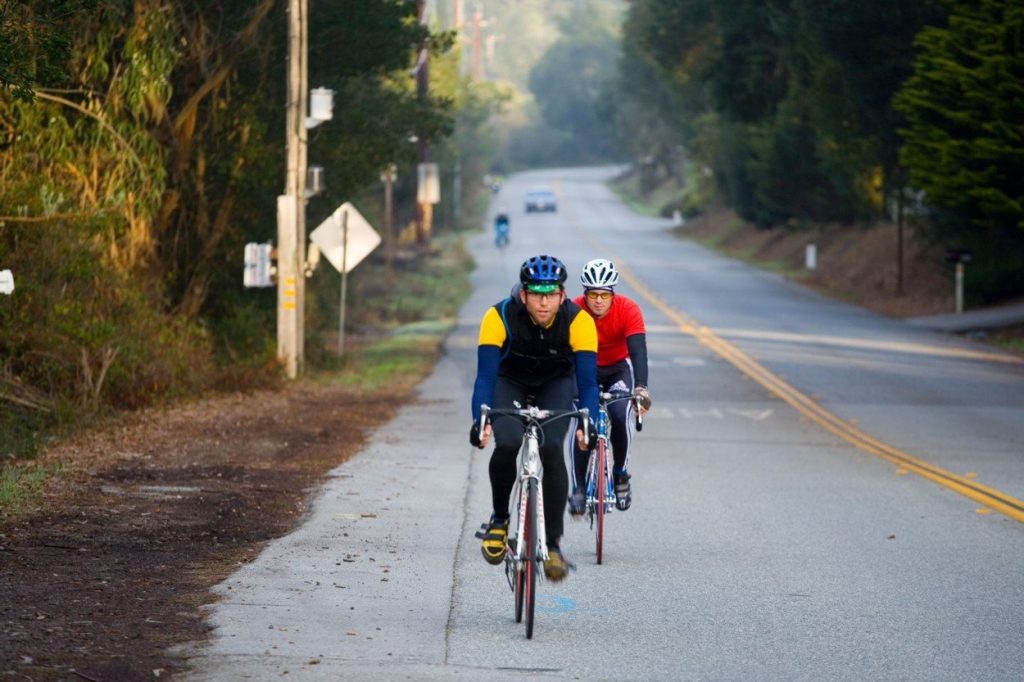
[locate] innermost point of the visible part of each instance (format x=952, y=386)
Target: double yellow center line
x=989, y=497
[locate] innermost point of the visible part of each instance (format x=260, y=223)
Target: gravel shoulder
x=110, y=569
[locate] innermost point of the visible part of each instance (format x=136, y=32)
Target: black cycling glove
x=474, y=435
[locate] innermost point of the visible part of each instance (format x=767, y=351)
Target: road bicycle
x=527, y=548
x=600, y=485
x=501, y=235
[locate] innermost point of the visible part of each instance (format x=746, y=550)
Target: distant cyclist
x=533, y=343
x=621, y=366
x=501, y=228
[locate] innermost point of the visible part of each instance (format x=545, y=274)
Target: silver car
x=541, y=199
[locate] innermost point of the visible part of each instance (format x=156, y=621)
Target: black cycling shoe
x=577, y=503
x=623, y=495
x=493, y=544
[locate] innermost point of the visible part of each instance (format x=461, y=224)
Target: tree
x=132, y=177
x=965, y=107
x=35, y=42
x=787, y=102
x=568, y=84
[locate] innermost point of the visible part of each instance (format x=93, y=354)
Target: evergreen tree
x=963, y=146
x=965, y=110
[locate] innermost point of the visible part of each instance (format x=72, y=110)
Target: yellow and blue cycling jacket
x=512, y=345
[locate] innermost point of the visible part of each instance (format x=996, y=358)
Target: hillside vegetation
x=142, y=146
x=797, y=114
x=854, y=263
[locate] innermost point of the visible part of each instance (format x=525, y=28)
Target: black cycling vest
x=532, y=355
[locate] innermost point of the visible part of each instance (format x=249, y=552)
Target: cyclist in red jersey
x=621, y=366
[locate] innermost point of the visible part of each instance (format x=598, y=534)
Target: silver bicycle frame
x=530, y=466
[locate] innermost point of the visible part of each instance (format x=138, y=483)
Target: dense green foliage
x=965, y=133
x=46, y=30
x=786, y=102
x=553, y=62
x=568, y=84
x=141, y=146
x=825, y=110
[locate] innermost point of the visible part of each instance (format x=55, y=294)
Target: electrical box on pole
x=259, y=272
x=6, y=282
x=321, y=106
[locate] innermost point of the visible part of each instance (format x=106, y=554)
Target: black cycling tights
x=557, y=394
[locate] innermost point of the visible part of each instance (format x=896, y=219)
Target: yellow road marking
x=990, y=497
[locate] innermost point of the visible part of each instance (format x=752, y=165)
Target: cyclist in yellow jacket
x=534, y=343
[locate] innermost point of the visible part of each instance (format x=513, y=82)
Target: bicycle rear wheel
x=531, y=560
x=602, y=487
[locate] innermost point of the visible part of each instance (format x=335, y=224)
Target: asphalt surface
x=971, y=320
x=764, y=542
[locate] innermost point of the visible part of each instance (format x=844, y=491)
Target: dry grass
x=854, y=263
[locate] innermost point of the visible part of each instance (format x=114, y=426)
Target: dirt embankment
x=111, y=568
x=856, y=264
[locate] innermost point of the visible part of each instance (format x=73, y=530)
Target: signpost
x=428, y=193
x=958, y=257
x=344, y=239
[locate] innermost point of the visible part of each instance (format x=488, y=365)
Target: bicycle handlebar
x=535, y=414
x=609, y=397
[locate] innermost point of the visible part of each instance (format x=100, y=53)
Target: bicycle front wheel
x=602, y=487
x=531, y=560
x=520, y=590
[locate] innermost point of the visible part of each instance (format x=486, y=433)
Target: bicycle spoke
x=531, y=557
x=601, y=489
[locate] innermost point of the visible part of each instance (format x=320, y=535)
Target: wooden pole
x=291, y=224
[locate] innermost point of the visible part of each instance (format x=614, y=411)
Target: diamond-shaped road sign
x=345, y=251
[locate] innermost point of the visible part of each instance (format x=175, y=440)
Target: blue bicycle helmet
x=542, y=274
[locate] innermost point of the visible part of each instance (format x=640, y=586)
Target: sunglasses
x=599, y=295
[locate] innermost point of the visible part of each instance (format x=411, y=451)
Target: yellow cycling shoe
x=556, y=567
x=493, y=544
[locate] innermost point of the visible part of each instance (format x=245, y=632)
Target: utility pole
x=291, y=214
x=476, y=70
x=424, y=210
x=458, y=15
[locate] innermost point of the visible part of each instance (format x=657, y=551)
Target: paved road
x=820, y=493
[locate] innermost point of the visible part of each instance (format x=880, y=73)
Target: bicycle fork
x=531, y=470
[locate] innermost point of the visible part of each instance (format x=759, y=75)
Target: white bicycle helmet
x=599, y=274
